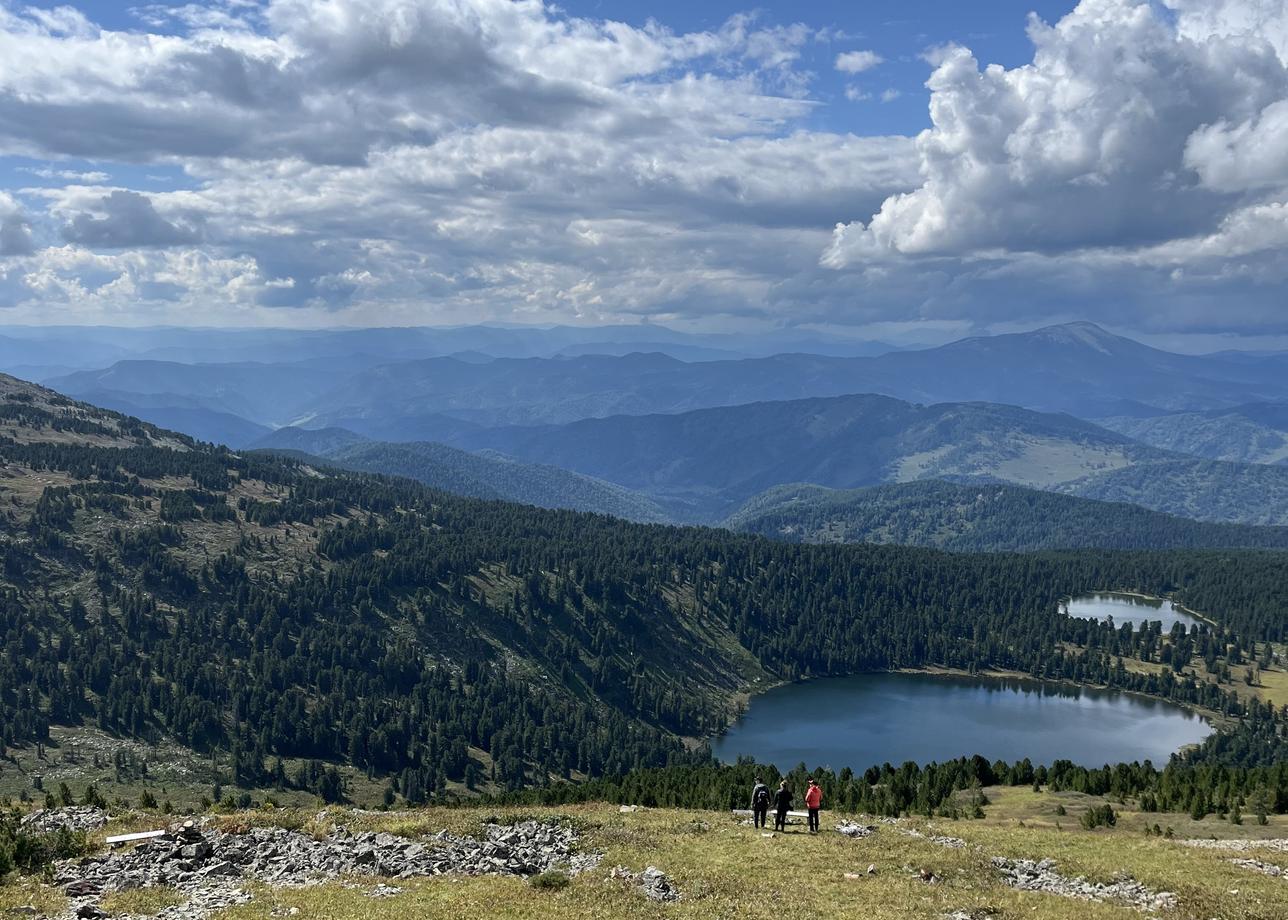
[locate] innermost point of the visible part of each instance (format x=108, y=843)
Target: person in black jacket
x=759, y=803
x=782, y=804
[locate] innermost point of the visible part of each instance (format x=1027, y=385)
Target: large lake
x=877, y=718
x=1128, y=608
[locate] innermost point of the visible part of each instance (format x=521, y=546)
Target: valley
x=381, y=598
x=523, y=614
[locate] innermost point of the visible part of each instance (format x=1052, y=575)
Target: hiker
x=813, y=799
x=783, y=804
x=759, y=803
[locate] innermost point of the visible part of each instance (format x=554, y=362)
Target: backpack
x=762, y=797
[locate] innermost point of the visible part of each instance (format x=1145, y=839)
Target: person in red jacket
x=813, y=801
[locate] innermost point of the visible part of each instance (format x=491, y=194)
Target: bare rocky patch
x=211, y=868
x=1030, y=875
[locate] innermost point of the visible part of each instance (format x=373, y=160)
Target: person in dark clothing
x=782, y=805
x=759, y=803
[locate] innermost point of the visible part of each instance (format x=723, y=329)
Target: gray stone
x=1028, y=875
x=850, y=829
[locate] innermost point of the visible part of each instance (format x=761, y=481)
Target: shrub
x=1099, y=816
x=550, y=880
x=30, y=852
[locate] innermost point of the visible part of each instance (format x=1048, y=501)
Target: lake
x=1128, y=608
x=877, y=718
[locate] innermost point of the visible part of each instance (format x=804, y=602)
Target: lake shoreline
x=1213, y=718
x=1181, y=608
x=782, y=723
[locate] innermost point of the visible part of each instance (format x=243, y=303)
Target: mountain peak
x=1080, y=333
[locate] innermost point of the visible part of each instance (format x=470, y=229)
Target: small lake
x=1128, y=608
x=877, y=718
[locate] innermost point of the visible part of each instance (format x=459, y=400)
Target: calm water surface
x=1128, y=608
x=878, y=718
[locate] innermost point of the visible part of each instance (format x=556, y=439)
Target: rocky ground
x=212, y=867
x=1040, y=875
x=1239, y=846
x=347, y=864
x=73, y=817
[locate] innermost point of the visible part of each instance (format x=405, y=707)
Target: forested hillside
x=477, y=475
x=981, y=517
x=710, y=461
x=1254, y=433
x=258, y=605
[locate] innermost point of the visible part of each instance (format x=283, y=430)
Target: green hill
x=710, y=461
x=478, y=475
x=1255, y=433
x=981, y=518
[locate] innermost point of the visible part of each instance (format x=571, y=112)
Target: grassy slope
x=725, y=869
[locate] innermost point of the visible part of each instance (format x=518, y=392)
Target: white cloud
x=393, y=161
x=90, y=177
x=410, y=158
x=858, y=61
x=15, y=228
x=1247, y=156
x=1133, y=138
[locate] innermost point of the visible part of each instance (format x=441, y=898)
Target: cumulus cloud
x=857, y=61
x=1135, y=135
x=400, y=159
x=15, y=228
x=124, y=219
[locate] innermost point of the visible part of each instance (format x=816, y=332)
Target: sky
x=909, y=171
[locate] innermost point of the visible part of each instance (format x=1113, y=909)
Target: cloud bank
x=405, y=161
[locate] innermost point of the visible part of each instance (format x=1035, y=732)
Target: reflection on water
x=1128, y=608
x=879, y=718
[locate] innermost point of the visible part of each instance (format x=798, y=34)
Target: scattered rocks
x=1279, y=845
x=1264, y=868
x=72, y=817
x=851, y=829
x=1027, y=875
x=952, y=843
x=973, y=913
x=653, y=883
x=208, y=865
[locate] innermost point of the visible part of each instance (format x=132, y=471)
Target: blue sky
x=898, y=30
x=910, y=171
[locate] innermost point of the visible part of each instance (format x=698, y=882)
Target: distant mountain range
x=981, y=518
x=1252, y=433
x=649, y=436
x=476, y=475
x=1076, y=368
x=714, y=459
x=45, y=352
x=701, y=466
